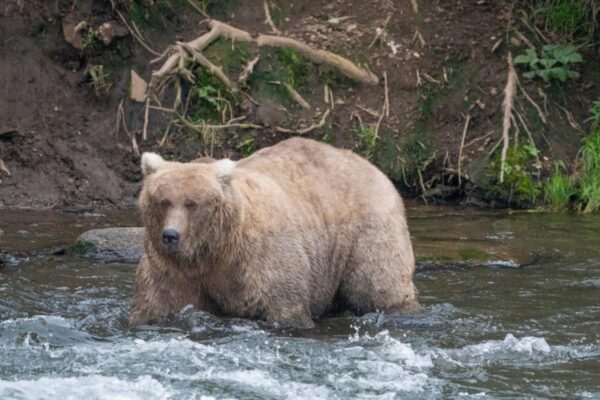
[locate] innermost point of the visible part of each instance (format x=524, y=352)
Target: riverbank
x=71, y=128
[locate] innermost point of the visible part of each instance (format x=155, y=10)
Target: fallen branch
x=509, y=94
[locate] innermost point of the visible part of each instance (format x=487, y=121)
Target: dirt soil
x=58, y=138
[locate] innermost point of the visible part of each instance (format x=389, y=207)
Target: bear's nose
x=170, y=236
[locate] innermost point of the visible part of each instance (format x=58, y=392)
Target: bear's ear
x=224, y=168
x=151, y=162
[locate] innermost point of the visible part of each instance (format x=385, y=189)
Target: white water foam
x=87, y=387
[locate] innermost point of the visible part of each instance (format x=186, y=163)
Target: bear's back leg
x=378, y=274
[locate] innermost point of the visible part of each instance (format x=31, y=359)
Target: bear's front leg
x=159, y=293
x=290, y=315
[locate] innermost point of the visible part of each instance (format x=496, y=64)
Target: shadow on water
x=487, y=329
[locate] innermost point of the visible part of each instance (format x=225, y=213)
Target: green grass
x=595, y=114
x=589, y=158
x=568, y=18
x=99, y=79
x=559, y=189
x=582, y=189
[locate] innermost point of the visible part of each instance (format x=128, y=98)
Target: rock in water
x=110, y=244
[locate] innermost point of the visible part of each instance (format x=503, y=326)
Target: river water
x=488, y=329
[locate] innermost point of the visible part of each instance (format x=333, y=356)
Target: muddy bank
x=65, y=145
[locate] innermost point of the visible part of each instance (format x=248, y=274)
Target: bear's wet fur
x=285, y=235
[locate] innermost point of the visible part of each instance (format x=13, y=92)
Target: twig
x=538, y=163
x=385, y=105
x=134, y=146
x=133, y=33
x=197, y=8
x=517, y=130
x=293, y=94
x=533, y=103
x=308, y=129
x=509, y=94
x=248, y=69
x=415, y=6
x=269, y=20
x=570, y=118
x=368, y=110
x=296, y=96
x=524, y=39
x=146, y=117
x=462, y=145
x=380, y=32
x=4, y=168
x=419, y=37
x=472, y=142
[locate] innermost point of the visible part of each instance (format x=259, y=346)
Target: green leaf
x=522, y=59
x=548, y=63
x=560, y=73
x=572, y=58
x=544, y=74
x=532, y=151
x=529, y=75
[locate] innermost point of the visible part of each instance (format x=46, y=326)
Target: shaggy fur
x=289, y=234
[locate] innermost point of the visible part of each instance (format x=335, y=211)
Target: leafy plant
x=519, y=185
x=246, y=146
x=99, y=79
x=367, y=137
x=555, y=62
x=88, y=39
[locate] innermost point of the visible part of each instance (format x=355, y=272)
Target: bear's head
x=186, y=207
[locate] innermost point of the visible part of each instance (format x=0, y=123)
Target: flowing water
x=486, y=331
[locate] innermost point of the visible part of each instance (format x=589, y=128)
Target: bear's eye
x=165, y=203
x=190, y=204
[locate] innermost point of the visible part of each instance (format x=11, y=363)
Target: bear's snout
x=170, y=238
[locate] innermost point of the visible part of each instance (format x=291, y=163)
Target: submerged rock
x=110, y=244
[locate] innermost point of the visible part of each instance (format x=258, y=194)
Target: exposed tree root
x=219, y=29
x=269, y=20
x=509, y=95
x=177, y=58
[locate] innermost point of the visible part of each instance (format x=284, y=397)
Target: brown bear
x=289, y=234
